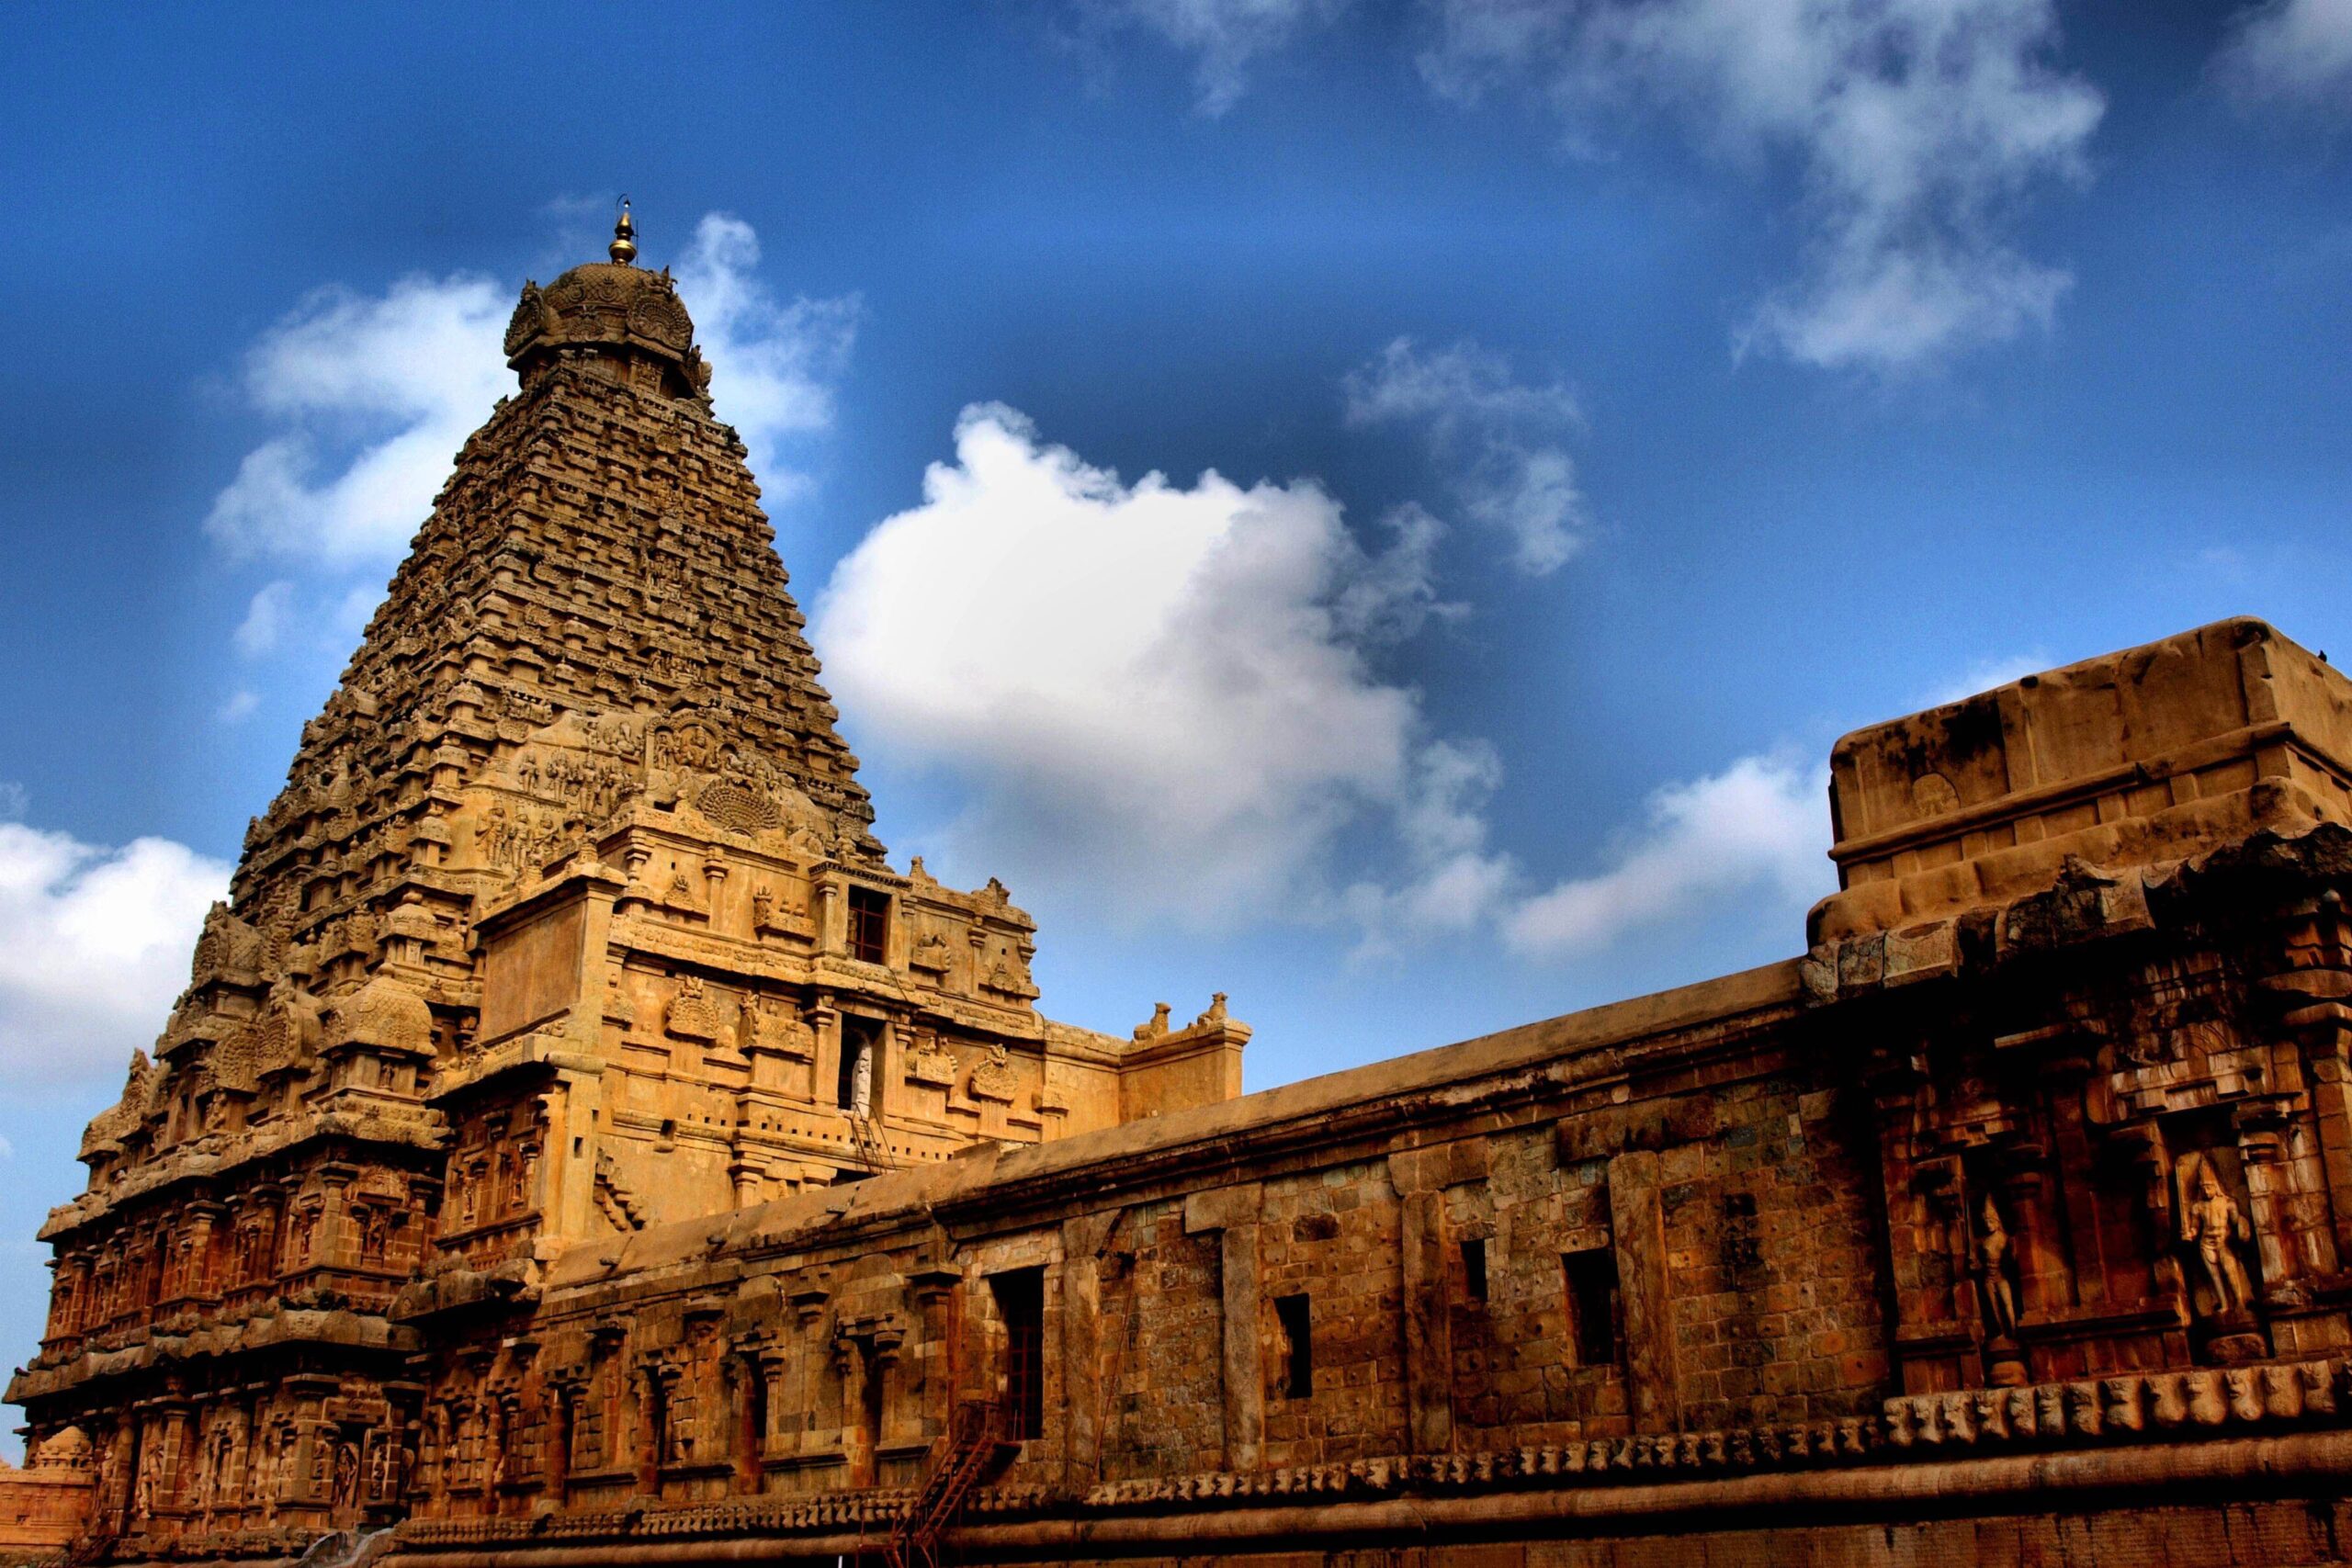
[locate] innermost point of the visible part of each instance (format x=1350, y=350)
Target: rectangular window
x=1474, y=1268
x=1021, y=1302
x=870, y=924
x=1298, y=1347
x=1593, y=1308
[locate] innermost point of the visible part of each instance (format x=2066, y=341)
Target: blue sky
x=1612, y=401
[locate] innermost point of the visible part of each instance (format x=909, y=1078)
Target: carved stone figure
x=2214, y=1227
x=1995, y=1269
x=861, y=1079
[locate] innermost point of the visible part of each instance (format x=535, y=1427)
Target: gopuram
x=578, y=1144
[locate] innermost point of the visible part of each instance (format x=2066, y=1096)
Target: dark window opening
x=752, y=1445
x=657, y=1435
x=1021, y=1302
x=867, y=1467
x=1474, y=1268
x=1298, y=1347
x=870, y=924
x=1593, y=1308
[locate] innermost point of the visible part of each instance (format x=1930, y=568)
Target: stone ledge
x=2107, y=1414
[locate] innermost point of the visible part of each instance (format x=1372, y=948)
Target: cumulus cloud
x=1453, y=881
x=2293, y=53
x=94, y=947
x=773, y=363
x=371, y=396
x=1761, y=828
x=265, y=620
x=1225, y=37
x=1501, y=436
x=1919, y=126
x=1159, y=691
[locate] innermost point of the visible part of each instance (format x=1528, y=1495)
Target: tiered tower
x=569, y=920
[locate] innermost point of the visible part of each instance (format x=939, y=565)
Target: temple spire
x=624, y=246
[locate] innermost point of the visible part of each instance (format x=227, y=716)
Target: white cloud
x=372, y=396
x=1498, y=433
x=2295, y=52
x=772, y=365
x=13, y=800
x=1161, y=694
x=1761, y=825
x=94, y=947
x=265, y=620
x=1919, y=126
x=1162, y=697
x=240, y=705
x=1225, y=35
x=1453, y=882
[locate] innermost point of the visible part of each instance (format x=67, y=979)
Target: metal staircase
x=975, y=1444
x=866, y=1137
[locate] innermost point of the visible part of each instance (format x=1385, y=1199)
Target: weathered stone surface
x=578, y=1145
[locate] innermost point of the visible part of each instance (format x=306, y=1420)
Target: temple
x=578, y=1142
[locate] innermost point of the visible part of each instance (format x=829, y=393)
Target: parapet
x=2141, y=758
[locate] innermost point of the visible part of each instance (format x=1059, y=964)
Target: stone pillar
x=934, y=1288
x=1083, y=1239
x=830, y=931
x=889, y=1071
x=172, y=1478
x=902, y=1423
x=1233, y=1210
x=1245, y=1374
x=332, y=1245
x=1637, y=1226
x=769, y=1368
x=1429, y=1329
x=2287, y=1197
x=1422, y=1178
x=201, y=1279
x=825, y=1070
x=807, y=1305
x=849, y=1432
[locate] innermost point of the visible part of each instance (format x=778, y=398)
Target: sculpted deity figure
x=2212, y=1224
x=1993, y=1267
x=861, y=1079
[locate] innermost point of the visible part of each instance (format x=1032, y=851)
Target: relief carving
x=1996, y=1273
x=993, y=1077
x=767, y=1026
x=931, y=1063
x=692, y=1015
x=2213, y=1229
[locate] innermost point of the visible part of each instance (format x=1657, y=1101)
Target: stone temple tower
x=570, y=920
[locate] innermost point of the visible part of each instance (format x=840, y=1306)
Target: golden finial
x=623, y=245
